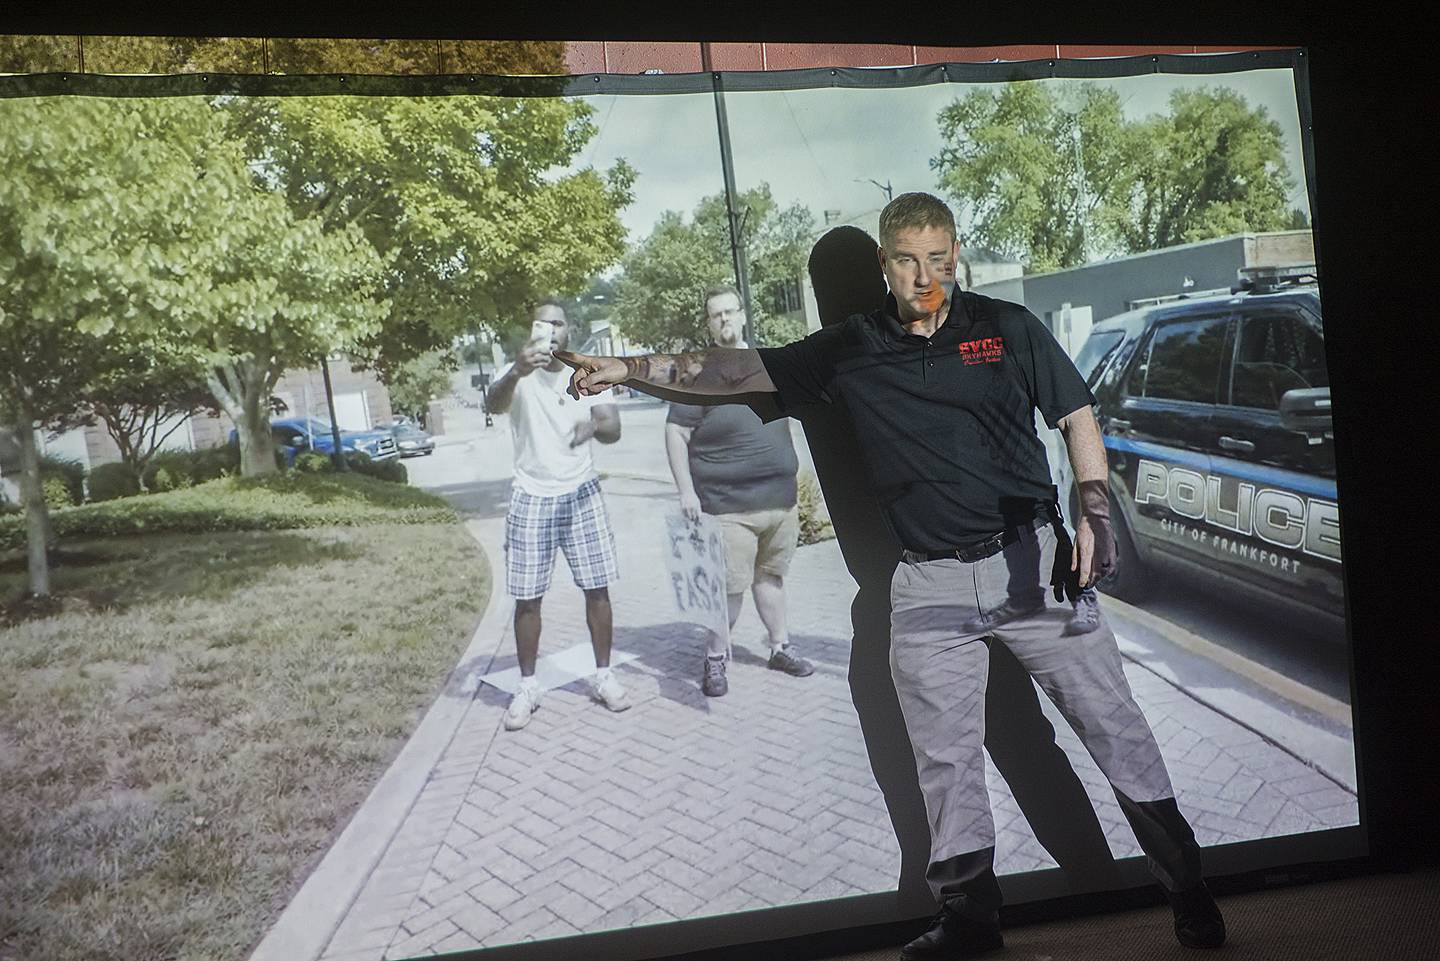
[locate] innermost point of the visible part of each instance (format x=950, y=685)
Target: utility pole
x=727, y=168
x=481, y=382
x=338, y=455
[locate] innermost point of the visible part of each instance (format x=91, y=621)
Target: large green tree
x=265, y=288
x=1212, y=166
x=91, y=247
x=132, y=230
x=1057, y=180
x=1026, y=173
x=471, y=200
x=657, y=298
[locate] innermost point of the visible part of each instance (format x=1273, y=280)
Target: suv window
x=1182, y=362
x=1097, y=347
x=1276, y=351
x=288, y=436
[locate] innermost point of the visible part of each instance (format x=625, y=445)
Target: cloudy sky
x=821, y=147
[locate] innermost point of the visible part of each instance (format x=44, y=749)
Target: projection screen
x=253, y=704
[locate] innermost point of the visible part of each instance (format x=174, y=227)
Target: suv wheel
x=1131, y=581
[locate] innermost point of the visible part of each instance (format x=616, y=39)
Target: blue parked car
x=294, y=435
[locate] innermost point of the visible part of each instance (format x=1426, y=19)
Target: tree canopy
x=292, y=55
x=417, y=381
x=460, y=194
x=1058, y=184
x=234, y=238
x=657, y=297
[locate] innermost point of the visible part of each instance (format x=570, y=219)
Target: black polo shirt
x=946, y=423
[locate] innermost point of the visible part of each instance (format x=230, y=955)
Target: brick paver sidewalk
x=686, y=806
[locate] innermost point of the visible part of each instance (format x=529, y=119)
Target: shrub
x=313, y=462
x=68, y=477
x=163, y=479
x=176, y=469
x=277, y=502
x=814, y=522
x=109, y=481
x=387, y=470
x=55, y=491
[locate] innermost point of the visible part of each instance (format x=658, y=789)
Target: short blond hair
x=911, y=211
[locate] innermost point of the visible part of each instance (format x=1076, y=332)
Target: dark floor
x=1387, y=917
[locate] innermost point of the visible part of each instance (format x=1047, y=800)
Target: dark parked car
x=1216, y=417
x=294, y=435
x=411, y=441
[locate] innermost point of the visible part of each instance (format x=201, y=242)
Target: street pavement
x=686, y=806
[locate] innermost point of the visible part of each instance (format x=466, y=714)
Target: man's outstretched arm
x=714, y=372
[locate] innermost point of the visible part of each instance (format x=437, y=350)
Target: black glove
x=1095, y=511
x=1064, y=581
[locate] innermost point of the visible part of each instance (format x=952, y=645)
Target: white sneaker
x=525, y=702
x=608, y=691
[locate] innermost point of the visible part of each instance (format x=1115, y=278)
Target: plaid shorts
x=576, y=523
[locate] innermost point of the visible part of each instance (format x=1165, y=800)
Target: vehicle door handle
x=1120, y=424
x=1234, y=443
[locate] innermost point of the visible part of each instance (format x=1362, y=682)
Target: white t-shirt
x=542, y=420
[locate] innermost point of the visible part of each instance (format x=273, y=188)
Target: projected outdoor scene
x=232, y=641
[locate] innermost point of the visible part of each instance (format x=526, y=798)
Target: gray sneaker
x=713, y=683
x=1003, y=614
x=783, y=660
x=1087, y=614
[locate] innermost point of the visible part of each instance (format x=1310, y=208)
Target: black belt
x=986, y=548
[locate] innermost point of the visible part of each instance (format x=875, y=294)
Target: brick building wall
x=629, y=56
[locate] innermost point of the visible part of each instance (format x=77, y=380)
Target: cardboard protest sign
x=695, y=566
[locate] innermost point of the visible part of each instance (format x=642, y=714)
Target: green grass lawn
x=277, y=502
x=188, y=729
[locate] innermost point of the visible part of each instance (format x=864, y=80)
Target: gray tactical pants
x=940, y=662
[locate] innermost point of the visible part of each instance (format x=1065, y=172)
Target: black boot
x=952, y=936
x=1198, y=923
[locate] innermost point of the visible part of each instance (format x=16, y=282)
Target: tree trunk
x=257, y=446
x=243, y=393
x=37, y=517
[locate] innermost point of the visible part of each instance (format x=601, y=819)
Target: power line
x=600, y=134
x=806, y=141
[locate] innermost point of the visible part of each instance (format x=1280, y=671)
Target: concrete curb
x=1296, y=692
x=1330, y=752
x=308, y=922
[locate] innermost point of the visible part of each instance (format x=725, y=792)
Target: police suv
x=1216, y=417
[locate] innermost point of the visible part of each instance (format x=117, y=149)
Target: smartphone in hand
x=541, y=335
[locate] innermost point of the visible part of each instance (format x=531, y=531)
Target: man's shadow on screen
x=1019, y=738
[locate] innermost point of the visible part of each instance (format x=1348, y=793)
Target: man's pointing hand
x=592, y=374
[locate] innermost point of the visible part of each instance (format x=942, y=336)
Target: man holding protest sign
x=729, y=465
x=942, y=387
